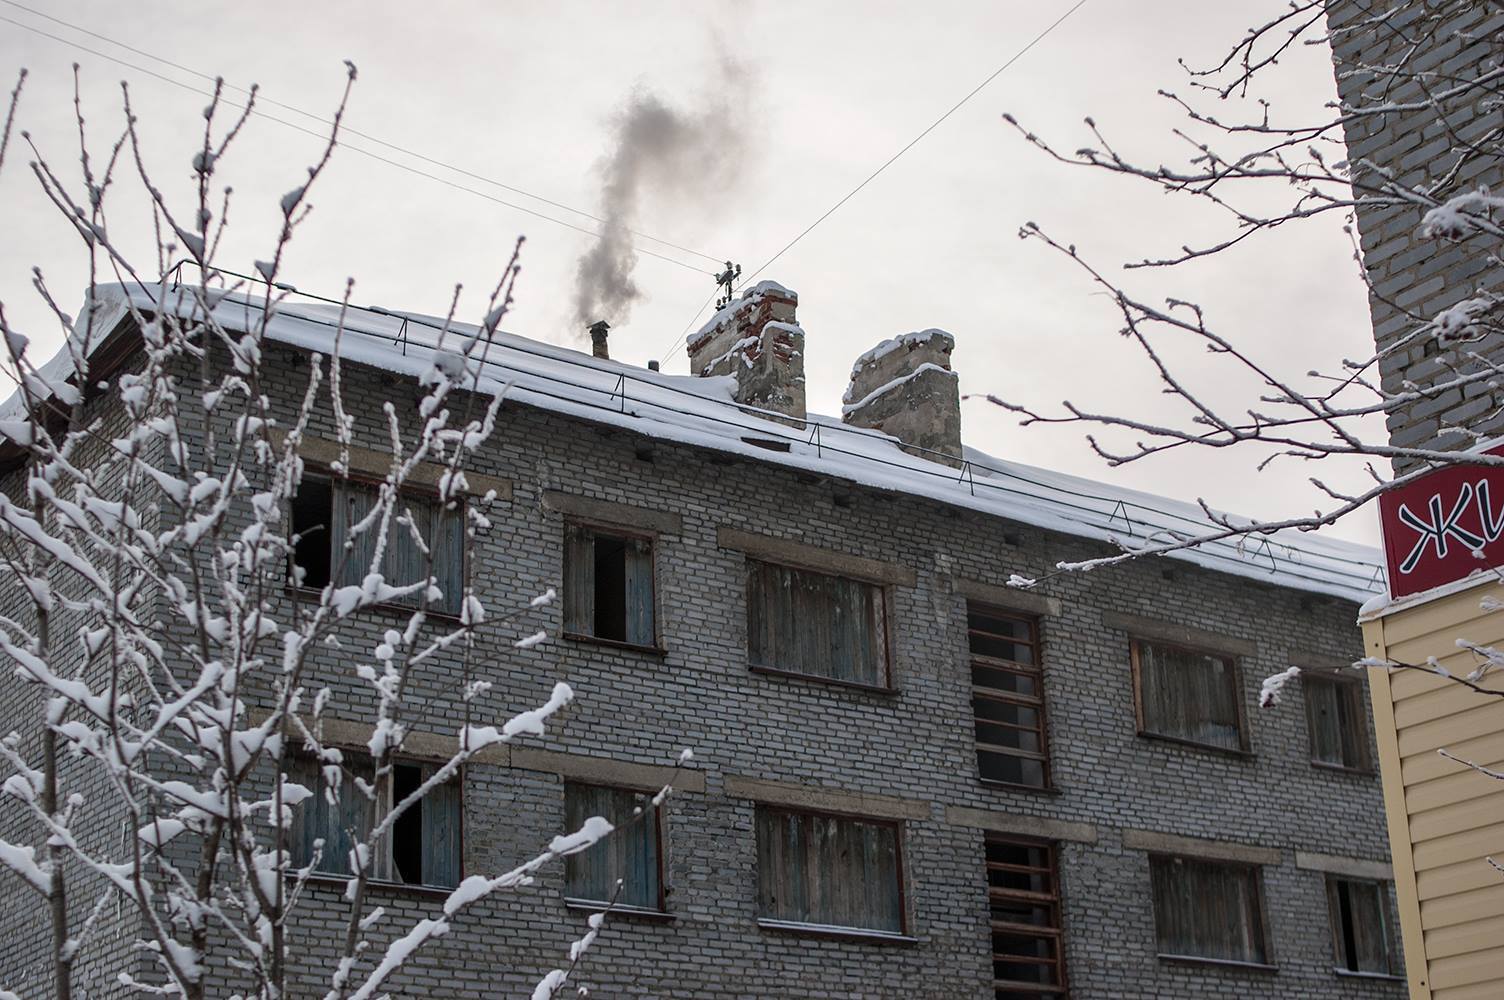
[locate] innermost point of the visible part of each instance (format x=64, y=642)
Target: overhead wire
x=260, y=98
x=890, y=161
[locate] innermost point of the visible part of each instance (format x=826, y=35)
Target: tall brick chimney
x=756, y=340
x=905, y=387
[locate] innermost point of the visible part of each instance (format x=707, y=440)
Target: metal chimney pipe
x=598, y=338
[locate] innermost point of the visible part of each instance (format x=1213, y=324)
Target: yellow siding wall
x=1445, y=818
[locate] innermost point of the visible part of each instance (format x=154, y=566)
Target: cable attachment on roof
x=725, y=280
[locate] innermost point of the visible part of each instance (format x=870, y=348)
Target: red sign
x=1443, y=526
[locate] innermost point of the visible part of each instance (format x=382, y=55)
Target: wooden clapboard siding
x=1445, y=819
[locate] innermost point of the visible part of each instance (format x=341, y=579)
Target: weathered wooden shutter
x=639, y=573
x=1323, y=717
x=442, y=821
x=1189, y=695
x=339, y=824
x=812, y=623
x=352, y=502
x=579, y=580
x=630, y=853
x=403, y=562
x=1359, y=925
x=828, y=871
x=449, y=557
x=1206, y=909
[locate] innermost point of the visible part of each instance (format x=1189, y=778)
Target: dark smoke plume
x=659, y=150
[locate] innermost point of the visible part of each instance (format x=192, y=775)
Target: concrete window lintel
x=1023, y=826
x=369, y=462
x=1007, y=597
x=608, y=771
x=817, y=799
x=1378, y=871
x=801, y=554
x=609, y=512
x=1180, y=635
x=1196, y=847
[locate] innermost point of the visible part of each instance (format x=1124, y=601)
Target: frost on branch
x=221, y=638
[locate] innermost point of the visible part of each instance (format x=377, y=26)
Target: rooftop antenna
x=724, y=281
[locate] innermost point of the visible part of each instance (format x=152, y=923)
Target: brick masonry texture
x=915, y=743
x=1413, y=279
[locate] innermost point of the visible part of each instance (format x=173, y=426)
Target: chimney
x=756, y=340
x=598, y=331
x=905, y=387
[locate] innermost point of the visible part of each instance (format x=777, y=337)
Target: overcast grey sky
x=525, y=93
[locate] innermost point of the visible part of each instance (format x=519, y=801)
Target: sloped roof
x=700, y=412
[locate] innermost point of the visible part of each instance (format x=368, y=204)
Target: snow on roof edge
x=699, y=412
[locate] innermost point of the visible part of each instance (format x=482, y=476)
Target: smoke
x=689, y=153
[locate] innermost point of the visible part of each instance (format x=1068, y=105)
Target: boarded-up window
x=1336, y=722
x=630, y=854
x=608, y=589
x=423, y=846
x=1208, y=909
x=1007, y=697
x=820, y=871
x=1023, y=892
x=1360, y=926
x=811, y=623
x=325, y=510
x=1188, y=695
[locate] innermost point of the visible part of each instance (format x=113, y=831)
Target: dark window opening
x=423, y=845
x=325, y=511
x=1360, y=926
x=1007, y=698
x=1023, y=893
x=312, y=510
x=608, y=591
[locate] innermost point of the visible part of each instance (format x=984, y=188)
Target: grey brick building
x=1092, y=746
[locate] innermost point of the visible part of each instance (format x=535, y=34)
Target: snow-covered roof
x=700, y=412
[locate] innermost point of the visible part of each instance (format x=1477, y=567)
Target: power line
x=346, y=129
x=890, y=161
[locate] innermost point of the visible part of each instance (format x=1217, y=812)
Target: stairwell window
x=1208, y=910
x=1360, y=926
x=834, y=874
x=324, y=511
x=1189, y=695
x=608, y=585
x=1007, y=697
x=1023, y=894
x=1335, y=721
x=422, y=847
x=804, y=622
x=631, y=853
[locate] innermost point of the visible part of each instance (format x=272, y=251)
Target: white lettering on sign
x=1435, y=532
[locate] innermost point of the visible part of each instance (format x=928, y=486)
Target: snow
x=749, y=296
x=700, y=412
x=887, y=387
x=889, y=346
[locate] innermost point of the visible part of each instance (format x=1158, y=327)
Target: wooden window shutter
x=579, y=580
x=629, y=854
x=828, y=871
x=352, y=502
x=442, y=823
x=639, y=574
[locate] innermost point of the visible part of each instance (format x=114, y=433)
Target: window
x=423, y=847
x=1360, y=926
x=608, y=588
x=1023, y=891
x=630, y=854
x=324, y=510
x=1007, y=699
x=828, y=872
x=1188, y=695
x=1209, y=910
x=805, y=622
x=1335, y=721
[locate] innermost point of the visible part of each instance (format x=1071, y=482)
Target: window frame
x=1039, y=704
x=421, y=491
x=1386, y=928
x=598, y=905
x=1352, y=689
x=1260, y=912
x=376, y=879
x=904, y=934
x=1054, y=899
x=1233, y=661
x=612, y=530
x=885, y=601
